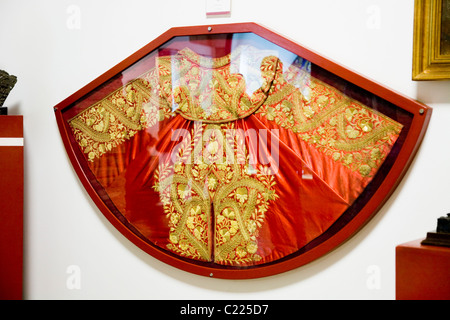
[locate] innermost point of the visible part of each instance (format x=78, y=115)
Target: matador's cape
x=215, y=165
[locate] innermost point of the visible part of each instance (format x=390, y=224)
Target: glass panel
x=228, y=150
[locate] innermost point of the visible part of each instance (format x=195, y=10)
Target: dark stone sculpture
x=442, y=235
x=7, y=83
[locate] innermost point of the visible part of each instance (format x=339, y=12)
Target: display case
x=230, y=151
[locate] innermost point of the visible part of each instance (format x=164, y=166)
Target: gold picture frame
x=431, y=48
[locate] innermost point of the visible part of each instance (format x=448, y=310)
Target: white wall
x=52, y=58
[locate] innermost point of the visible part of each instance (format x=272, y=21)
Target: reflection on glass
x=228, y=149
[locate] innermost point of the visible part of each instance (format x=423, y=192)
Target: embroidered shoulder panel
x=342, y=128
x=119, y=116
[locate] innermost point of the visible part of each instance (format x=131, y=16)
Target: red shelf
x=422, y=272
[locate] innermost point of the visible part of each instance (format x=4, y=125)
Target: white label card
x=218, y=7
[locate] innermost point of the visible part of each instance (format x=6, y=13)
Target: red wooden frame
x=420, y=115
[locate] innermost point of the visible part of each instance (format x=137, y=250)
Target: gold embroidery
x=215, y=202
x=214, y=199
x=119, y=116
x=342, y=128
x=206, y=89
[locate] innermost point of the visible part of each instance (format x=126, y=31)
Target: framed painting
x=230, y=151
x=431, y=48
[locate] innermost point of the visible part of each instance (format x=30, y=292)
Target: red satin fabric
x=306, y=207
x=313, y=190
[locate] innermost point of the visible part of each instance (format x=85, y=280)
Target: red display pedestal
x=11, y=207
x=422, y=272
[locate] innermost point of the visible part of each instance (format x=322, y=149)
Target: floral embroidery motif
x=340, y=127
x=207, y=90
x=214, y=201
x=119, y=116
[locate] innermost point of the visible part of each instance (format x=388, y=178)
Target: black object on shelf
x=442, y=235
